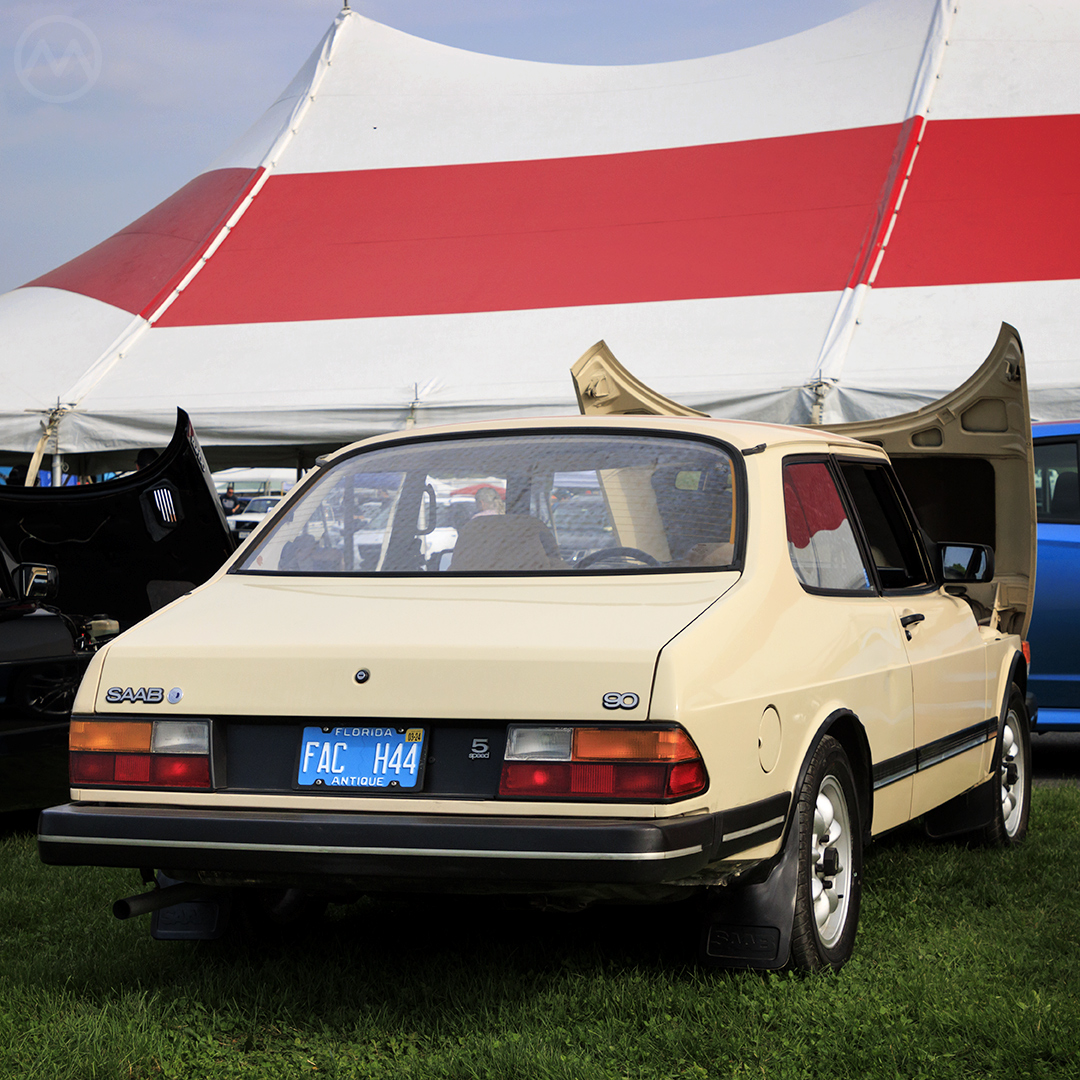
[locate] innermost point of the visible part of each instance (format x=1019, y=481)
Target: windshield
x=533, y=503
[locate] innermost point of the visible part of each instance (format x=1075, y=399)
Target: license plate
x=362, y=758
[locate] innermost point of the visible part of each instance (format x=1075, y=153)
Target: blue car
x=1055, y=624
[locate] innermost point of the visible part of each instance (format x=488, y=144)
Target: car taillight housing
x=601, y=763
x=127, y=753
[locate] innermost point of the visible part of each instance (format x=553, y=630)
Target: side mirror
x=970, y=563
x=36, y=581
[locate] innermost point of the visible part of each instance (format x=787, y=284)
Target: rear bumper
x=358, y=847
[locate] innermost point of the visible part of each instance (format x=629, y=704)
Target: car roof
x=742, y=434
x=1050, y=428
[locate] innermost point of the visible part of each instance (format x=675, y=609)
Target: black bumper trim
x=756, y=823
x=380, y=845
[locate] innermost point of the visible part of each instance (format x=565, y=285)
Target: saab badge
x=148, y=695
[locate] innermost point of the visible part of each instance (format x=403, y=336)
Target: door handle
x=911, y=620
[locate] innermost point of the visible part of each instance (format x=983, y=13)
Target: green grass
x=967, y=965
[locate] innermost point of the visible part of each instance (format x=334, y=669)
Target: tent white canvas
x=828, y=226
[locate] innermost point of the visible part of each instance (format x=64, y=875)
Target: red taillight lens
x=180, y=771
x=534, y=778
x=686, y=778
x=641, y=764
x=139, y=770
x=88, y=768
x=132, y=769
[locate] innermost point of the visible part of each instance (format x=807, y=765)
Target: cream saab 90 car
x=764, y=661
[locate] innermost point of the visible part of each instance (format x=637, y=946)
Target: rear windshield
x=534, y=504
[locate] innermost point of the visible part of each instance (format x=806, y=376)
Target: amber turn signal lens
x=623, y=744
x=109, y=735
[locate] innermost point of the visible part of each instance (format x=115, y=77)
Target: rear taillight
x=155, y=753
x=616, y=764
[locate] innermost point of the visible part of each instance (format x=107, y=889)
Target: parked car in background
x=103, y=557
x=245, y=521
x=770, y=665
x=43, y=654
x=1055, y=623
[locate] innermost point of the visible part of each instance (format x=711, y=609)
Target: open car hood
x=127, y=546
x=965, y=462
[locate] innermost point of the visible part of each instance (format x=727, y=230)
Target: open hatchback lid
x=965, y=462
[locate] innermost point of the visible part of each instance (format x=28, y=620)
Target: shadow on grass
x=18, y=823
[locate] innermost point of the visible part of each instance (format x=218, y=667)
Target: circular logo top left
x=58, y=59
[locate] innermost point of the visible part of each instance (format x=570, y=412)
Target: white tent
x=830, y=225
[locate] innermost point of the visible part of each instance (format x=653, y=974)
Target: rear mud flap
x=750, y=926
x=196, y=920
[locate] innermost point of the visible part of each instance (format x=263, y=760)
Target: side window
x=821, y=542
x=1057, y=491
x=894, y=547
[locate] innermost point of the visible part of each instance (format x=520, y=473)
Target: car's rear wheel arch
x=1018, y=674
x=846, y=728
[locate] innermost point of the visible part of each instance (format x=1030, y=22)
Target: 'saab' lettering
x=149, y=695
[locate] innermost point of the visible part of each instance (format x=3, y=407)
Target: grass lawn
x=967, y=965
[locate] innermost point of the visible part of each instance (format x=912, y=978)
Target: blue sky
x=108, y=106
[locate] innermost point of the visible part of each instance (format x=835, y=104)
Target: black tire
x=829, y=889
x=1012, y=762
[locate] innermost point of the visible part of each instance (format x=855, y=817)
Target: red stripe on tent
x=769, y=216
x=903, y=155
x=811, y=502
x=139, y=266
x=990, y=200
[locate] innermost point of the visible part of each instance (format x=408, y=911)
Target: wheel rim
x=830, y=862
x=1013, y=768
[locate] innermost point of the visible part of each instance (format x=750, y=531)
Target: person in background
x=229, y=502
x=488, y=502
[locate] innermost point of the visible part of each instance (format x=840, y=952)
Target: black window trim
x=932, y=584
x=1056, y=440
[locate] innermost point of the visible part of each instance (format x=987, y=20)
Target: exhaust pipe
x=143, y=903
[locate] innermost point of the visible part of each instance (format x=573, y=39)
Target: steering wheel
x=616, y=552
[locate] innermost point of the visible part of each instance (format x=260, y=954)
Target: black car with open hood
x=78, y=565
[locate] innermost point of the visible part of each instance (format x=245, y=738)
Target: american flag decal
x=163, y=500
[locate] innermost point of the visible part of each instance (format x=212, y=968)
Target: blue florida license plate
x=362, y=758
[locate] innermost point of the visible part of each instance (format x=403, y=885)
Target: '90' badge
x=621, y=701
